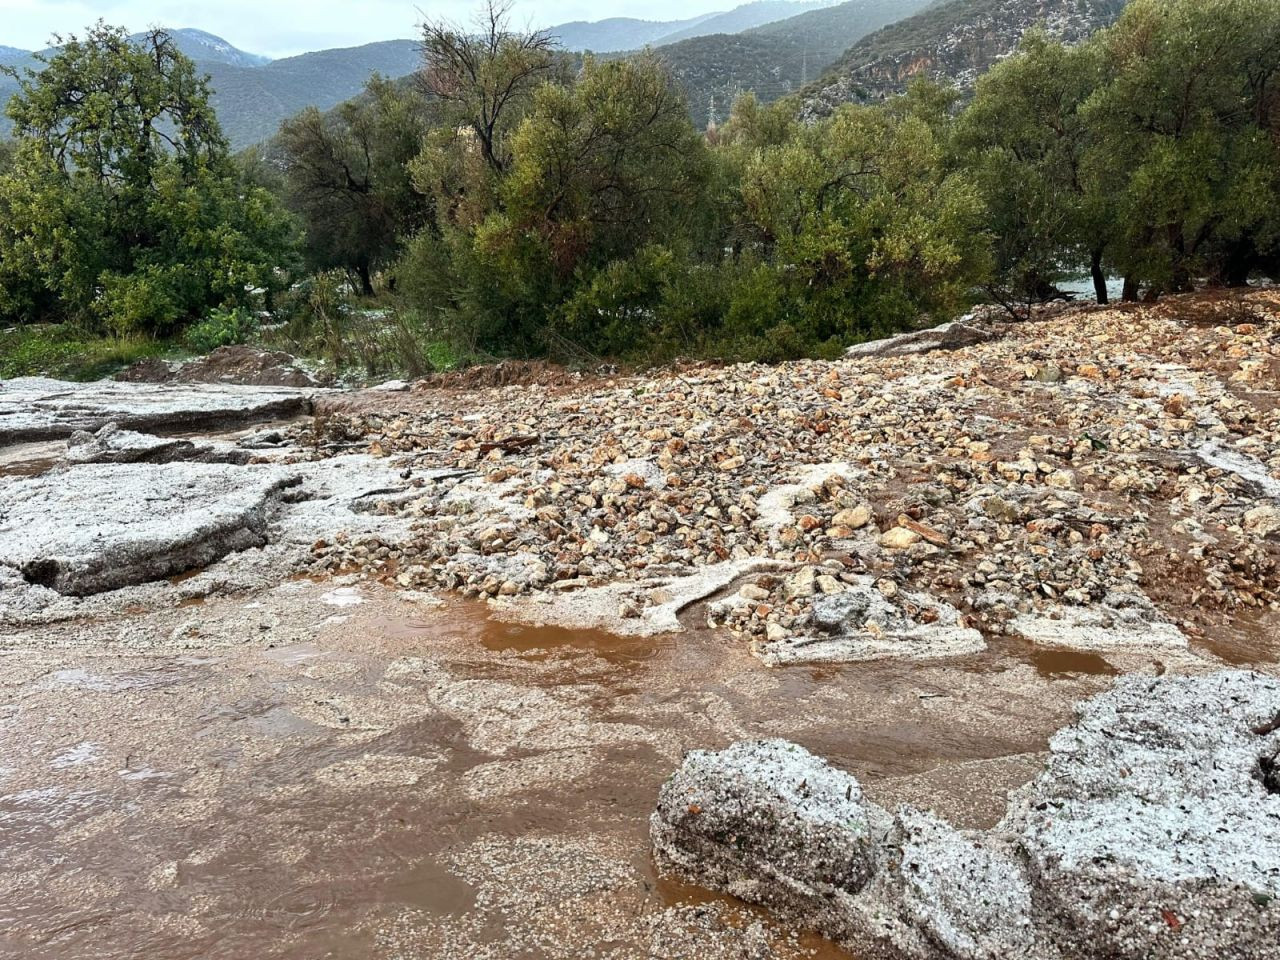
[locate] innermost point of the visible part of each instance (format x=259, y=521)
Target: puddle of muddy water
x=298, y=800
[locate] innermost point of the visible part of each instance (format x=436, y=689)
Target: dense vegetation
x=121, y=208
x=512, y=201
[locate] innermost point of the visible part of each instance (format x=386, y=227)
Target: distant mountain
x=11, y=53
x=956, y=41
x=618, y=33
x=251, y=102
x=746, y=17
x=206, y=48
x=621, y=34
x=776, y=59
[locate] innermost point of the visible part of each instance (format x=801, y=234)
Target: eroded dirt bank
x=325, y=732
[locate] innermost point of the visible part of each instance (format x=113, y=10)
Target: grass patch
x=65, y=353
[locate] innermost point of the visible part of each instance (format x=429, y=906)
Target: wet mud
x=410, y=782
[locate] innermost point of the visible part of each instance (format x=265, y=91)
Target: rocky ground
x=1098, y=479
x=914, y=561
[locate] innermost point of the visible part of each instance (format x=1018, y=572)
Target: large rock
x=98, y=527
x=769, y=822
x=35, y=408
x=1153, y=833
x=948, y=336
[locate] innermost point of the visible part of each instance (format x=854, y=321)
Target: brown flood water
x=438, y=784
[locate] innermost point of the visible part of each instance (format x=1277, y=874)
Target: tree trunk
x=1130, y=292
x=1099, y=278
x=366, y=279
x=1238, y=264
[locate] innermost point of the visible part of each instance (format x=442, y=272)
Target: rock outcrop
x=98, y=527
x=36, y=408
x=1153, y=832
x=954, y=42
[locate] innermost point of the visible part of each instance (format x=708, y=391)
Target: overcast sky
x=280, y=28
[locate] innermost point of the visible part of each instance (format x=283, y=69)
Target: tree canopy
x=121, y=207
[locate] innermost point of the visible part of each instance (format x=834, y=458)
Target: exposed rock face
x=954, y=42
x=1152, y=833
x=35, y=408
x=102, y=526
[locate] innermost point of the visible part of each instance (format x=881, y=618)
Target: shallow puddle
x=440, y=784
x=1053, y=663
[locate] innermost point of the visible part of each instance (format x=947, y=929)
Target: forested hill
x=955, y=41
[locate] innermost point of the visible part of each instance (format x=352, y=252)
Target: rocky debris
x=1030, y=478
x=1119, y=621
x=630, y=609
x=35, y=408
x=1152, y=832
x=948, y=336
x=98, y=527
x=239, y=364
x=828, y=614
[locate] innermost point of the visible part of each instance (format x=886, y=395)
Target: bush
x=223, y=328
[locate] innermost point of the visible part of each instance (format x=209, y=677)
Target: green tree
x=122, y=205
x=347, y=177
x=484, y=75
x=1026, y=139
x=597, y=171
x=1185, y=129
x=864, y=226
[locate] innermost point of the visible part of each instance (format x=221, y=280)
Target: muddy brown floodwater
x=316, y=777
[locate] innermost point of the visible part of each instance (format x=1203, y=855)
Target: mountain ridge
x=953, y=41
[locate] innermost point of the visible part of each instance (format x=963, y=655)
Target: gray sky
x=279, y=28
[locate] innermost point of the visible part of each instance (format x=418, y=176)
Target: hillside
x=621, y=34
x=252, y=101
x=205, y=48
x=747, y=17
x=955, y=41
x=775, y=59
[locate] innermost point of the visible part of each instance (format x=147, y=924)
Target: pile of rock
x=1099, y=468
x=1154, y=832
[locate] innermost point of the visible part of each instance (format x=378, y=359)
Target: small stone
x=899, y=538
x=854, y=518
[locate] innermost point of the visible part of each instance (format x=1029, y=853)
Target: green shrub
x=223, y=328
